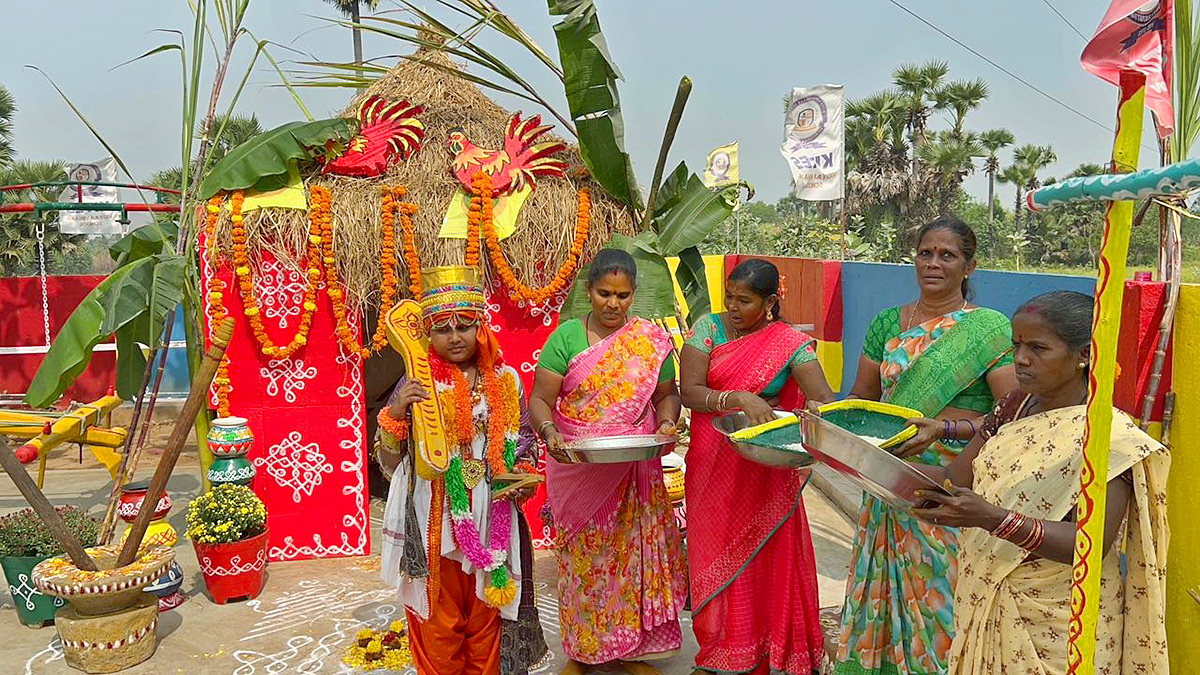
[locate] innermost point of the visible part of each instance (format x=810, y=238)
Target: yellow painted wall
x=1183, y=490
x=829, y=354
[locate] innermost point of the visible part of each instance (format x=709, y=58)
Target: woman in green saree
x=949, y=359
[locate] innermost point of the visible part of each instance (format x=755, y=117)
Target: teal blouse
x=709, y=331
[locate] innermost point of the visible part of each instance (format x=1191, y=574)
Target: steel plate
x=884, y=475
x=618, y=449
x=794, y=457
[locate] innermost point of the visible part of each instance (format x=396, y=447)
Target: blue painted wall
x=868, y=288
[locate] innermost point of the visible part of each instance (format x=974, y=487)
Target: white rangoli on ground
x=296, y=465
x=286, y=377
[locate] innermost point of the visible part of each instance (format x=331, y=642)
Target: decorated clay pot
x=673, y=471
x=110, y=642
x=237, y=470
x=234, y=570
x=107, y=591
x=34, y=608
x=131, y=502
x=160, y=533
x=166, y=588
x=230, y=437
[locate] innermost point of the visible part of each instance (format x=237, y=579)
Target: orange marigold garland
x=409, y=230
x=216, y=305
x=480, y=208
x=387, y=263
x=337, y=295
x=562, y=277
x=318, y=215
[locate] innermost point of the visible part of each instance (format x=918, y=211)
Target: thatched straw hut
x=545, y=227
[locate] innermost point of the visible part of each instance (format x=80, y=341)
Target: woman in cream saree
x=1013, y=599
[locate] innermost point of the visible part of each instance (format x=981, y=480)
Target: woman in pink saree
x=622, y=578
x=753, y=574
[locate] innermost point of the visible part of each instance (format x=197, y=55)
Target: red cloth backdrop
x=308, y=417
x=21, y=325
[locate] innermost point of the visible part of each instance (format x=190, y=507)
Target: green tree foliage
x=8, y=109
x=65, y=253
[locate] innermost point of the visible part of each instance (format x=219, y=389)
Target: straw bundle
x=544, y=229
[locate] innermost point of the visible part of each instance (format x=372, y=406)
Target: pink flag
x=1136, y=35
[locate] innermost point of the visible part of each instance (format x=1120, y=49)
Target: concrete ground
x=311, y=610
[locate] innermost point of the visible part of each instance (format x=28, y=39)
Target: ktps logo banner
x=814, y=141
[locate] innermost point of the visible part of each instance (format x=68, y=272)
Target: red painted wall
x=21, y=325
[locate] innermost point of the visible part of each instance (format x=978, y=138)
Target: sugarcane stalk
x=197, y=395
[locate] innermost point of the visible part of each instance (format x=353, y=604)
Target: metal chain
x=41, y=247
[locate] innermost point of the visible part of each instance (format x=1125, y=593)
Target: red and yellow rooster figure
x=387, y=131
x=514, y=167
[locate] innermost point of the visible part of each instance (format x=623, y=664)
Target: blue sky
x=743, y=57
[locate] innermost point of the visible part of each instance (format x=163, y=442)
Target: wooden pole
x=43, y=508
x=197, y=395
x=1106, y=322
x=681, y=97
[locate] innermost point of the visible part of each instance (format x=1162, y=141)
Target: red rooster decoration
x=387, y=131
x=514, y=167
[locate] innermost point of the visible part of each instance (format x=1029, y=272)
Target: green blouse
x=977, y=397
x=709, y=331
x=569, y=339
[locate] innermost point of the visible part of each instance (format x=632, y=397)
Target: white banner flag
x=91, y=222
x=814, y=143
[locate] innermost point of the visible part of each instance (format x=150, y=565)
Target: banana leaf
x=693, y=283
x=130, y=304
x=590, y=83
x=262, y=163
x=143, y=242
x=655, y=295
x=685, y=214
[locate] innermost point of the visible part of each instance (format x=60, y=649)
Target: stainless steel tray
x=794, y=457
x=884, y=475
x=618, y=449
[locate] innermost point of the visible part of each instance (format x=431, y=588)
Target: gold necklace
x=912, y=315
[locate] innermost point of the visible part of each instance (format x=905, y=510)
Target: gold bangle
x=542, y=428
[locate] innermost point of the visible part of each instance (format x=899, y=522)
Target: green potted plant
x=25, y=541
x=228, y=529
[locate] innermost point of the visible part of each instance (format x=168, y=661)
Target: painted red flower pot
x=131, y=502
x=234, y=571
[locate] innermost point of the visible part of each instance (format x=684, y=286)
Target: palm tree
x=238, y=130
x=8, y=108
x=951, y=159
x=1034, y=158
x=917, y=85
x=878, y=124
x=993, y=140
x=350, y=9
x=18, y=232
x=961, y=97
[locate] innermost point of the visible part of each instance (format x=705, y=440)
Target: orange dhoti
x=462, y=635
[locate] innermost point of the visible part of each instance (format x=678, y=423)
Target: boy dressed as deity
x=455, y=543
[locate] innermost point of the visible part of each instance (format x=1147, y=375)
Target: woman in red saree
x=621, y=580
x=753, y=575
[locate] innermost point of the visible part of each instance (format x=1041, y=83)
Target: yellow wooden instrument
x=406, y=334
